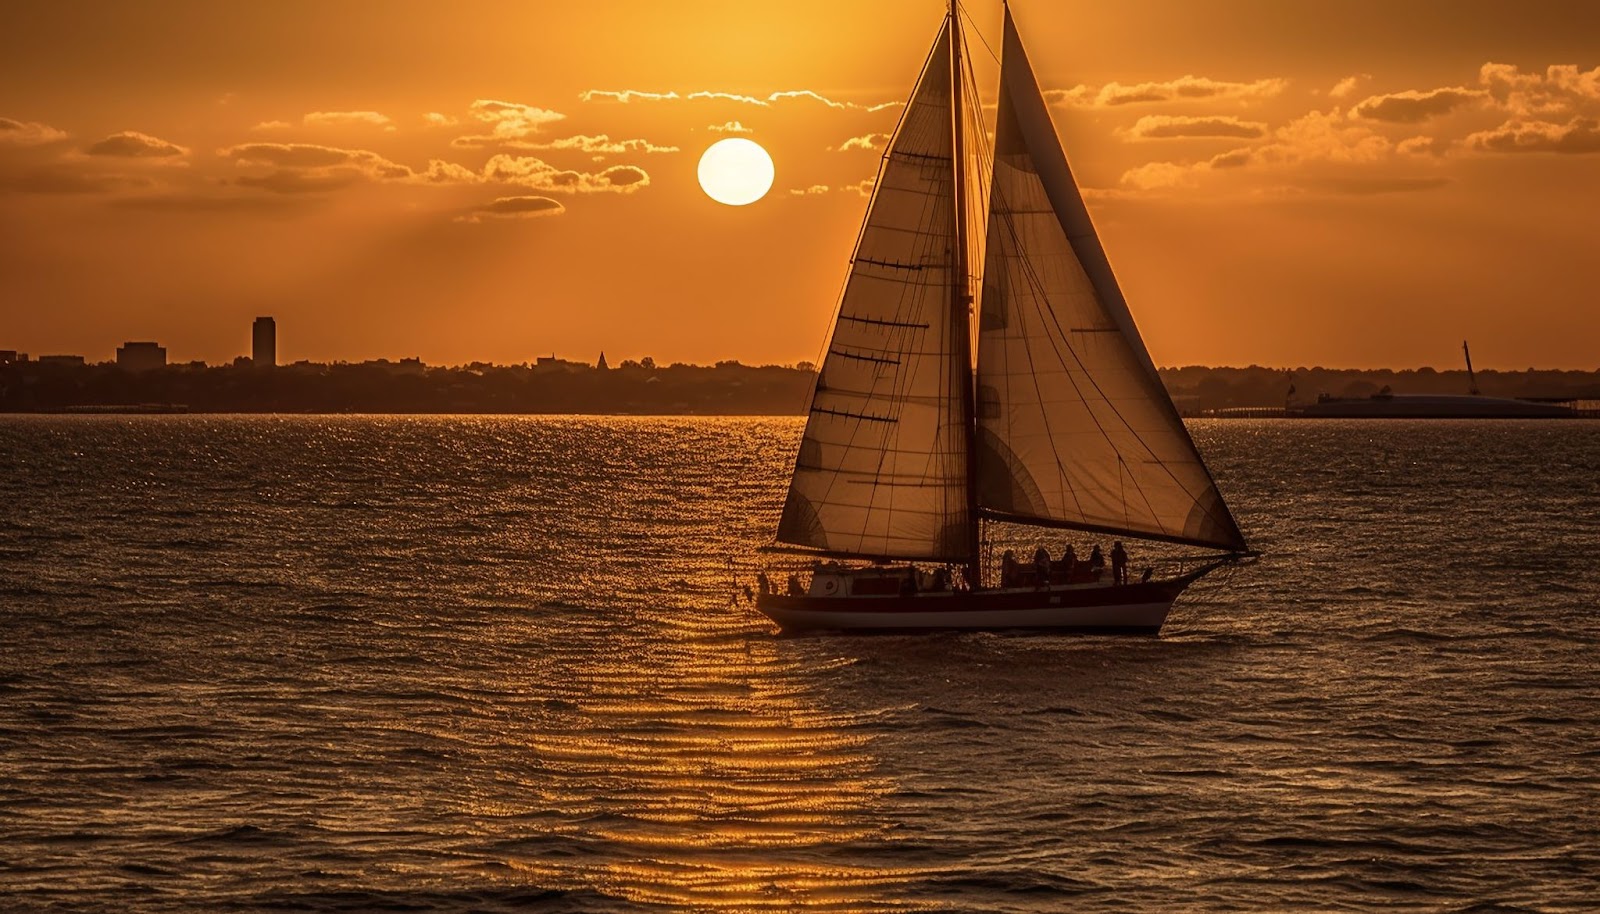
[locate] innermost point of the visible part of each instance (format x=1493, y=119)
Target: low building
x=76, y=360
x=141, y=356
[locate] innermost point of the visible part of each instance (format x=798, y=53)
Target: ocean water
x=491, y=664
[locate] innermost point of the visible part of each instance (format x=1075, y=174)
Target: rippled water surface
x=353, y=664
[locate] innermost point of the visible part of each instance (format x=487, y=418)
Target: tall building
x=264, y=342
x=141, y=356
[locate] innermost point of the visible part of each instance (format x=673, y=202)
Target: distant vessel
x=1388, y=405
x=914, y=442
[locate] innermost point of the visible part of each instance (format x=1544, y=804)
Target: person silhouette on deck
x=1069, y=562
x=1097, y=562
x=1008, y=569
x=1119, y=563
x=1041, y=565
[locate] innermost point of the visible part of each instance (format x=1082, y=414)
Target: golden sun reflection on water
x=707, y=776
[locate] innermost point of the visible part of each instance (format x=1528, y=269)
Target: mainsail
x=882, y=468
x=1075, y=427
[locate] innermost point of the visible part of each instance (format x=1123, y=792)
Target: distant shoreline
x=552, y=387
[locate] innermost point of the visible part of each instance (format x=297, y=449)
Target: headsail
x=882, y=466
x=1075, y=427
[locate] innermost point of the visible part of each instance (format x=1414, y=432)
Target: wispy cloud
x=1413, y=106
x=310, y=168
x=130, y=144
x=869, y=141
x=435, y=119
x=1580, y=135
x=626, y=96
x=730, y=127
x=1167, y=126
x=1184, y=88
x=1346, y=87
x=508, y=208
x=347, y=119
x=540, y=175
x=631, y=95
x=812, y=191
x=28, y=133
x=507, y=121
x=594, y=145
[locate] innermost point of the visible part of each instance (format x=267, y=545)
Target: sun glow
x=736, y=171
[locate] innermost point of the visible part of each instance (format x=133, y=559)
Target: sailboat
x=932, y=419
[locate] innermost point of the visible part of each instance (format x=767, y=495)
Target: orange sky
x=1358, y=184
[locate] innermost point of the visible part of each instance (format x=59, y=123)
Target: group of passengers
x=1069, y=569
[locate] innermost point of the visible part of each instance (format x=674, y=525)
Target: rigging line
x=1159, y=391
x=973, y=23
x=1043, y=308
x=903, y=125
x=844, y=283
x=1000, y=209
x=1038, y=286
x=916, y=135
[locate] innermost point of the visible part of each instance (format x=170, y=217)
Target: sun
x=736, y=171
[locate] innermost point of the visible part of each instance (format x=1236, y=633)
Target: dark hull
x=1139, y=608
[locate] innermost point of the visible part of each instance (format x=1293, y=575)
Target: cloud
x=1423, y=146
x=1412, y=106
x=28, y=133
x=441, y=172
x=508, y=122
x=1561, y=90
x=811, y=191
x=272, y=125
x=1316, y=138
x=514, y=208
x=870, y=141
x=1319, y=137
x=435, y=119
x=626, y=96
x=630, y=95
x=1578, y=136
x=301, y=168
x=1183, y=88
x=540, y=175
x=730, y=127
x=309, y=155
x=1166, y=126
x=131, y=144
x=1347, y=86
x=1155, y=175
x=595, y=145
x=347, y=119
x=831, y=103
x=308, y=168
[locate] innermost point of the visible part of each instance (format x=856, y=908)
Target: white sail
x=882, y=466
x=1075, y=427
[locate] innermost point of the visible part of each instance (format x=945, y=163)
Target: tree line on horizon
x=643, y=387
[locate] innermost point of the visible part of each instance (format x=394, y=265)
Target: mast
x=961, y=304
